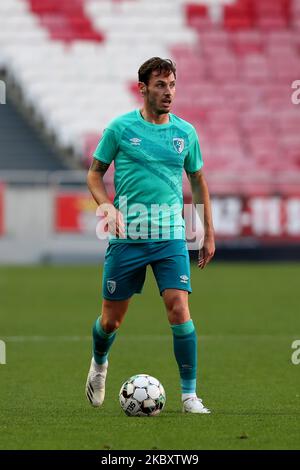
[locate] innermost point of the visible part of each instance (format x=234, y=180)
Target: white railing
x=42, y=177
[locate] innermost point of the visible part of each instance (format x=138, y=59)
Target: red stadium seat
x=46, y=6
x=238, y=16
x=197, y=16
x=65, y=20
x=246, y=42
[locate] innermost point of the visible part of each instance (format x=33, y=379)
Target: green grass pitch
x=247, y=316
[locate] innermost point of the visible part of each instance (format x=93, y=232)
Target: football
x=142, y=395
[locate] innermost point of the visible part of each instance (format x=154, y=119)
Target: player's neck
x=149, y=116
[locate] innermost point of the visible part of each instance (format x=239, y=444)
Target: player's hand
x=115, y=221
x=207, y=251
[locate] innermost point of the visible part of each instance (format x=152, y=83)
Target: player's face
x=160, y=92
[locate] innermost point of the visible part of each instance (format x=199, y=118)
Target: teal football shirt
x=149, y=161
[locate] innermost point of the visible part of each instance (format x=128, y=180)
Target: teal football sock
x=102, y=342
x=185, y=349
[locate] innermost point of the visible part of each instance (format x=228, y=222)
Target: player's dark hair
x=156, y=64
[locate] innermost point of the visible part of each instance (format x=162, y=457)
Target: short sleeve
x=193, y=160
x=107, y=147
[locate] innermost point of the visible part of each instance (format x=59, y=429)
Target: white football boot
x=95, y=384
x=194, y=405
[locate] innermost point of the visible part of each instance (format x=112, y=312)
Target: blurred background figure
x=68, y=66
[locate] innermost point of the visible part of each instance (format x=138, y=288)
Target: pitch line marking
x=41, y=338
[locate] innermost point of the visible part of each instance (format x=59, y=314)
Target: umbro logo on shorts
x=184, y=279
x=111, y=286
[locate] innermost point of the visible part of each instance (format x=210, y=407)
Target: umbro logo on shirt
x=135, y=141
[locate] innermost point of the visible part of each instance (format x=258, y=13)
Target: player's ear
x=142, y=88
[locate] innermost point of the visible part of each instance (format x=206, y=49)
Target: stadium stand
x=76, y=61
x=244, y=115
x=21, y=147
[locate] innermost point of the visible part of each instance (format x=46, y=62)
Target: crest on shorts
x=178, y=144
x=111, y=286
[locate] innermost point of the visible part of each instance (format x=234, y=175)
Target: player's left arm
x=201, y=196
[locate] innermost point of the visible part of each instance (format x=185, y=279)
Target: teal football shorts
x=125, y=267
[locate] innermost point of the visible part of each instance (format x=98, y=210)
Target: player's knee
x=178, y=313
x=109, y=325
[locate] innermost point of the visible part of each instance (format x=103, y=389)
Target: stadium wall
x=56, y=224
x=31, y=232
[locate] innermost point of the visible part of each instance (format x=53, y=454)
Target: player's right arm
x=95, y=181
x=97, y=188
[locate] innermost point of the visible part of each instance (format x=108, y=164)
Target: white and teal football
x=142, y=395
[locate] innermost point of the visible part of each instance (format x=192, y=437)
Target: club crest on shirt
x=111, y=286
x=178, y=144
